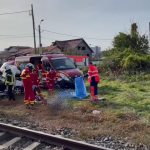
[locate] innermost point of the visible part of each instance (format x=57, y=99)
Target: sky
x=97, y=19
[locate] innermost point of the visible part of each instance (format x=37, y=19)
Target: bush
x=136, y=62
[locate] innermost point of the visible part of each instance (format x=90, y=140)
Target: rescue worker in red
x=94, y=79
x=51, y=79
x=39, y=66
x=29, y=97
x=36, y=83
x=39, y=70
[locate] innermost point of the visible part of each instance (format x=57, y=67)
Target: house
x=14, y=51
x=52, y=49
x=3, y=57
x=74, y=45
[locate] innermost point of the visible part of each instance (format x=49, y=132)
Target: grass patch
x=141, y=89
x=124, y=114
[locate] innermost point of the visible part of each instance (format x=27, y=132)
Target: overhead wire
x=15, y=12
x=75, y=35
x=17, y=37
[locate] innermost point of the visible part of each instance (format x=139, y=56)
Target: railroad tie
x=32, y=146
x=9, y=143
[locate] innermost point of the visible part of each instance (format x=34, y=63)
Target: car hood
x=72, y=72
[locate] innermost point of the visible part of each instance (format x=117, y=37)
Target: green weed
x=119, y=114
x=141, y=89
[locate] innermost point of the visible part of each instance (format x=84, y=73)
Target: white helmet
x=29, y=65
x=7, y=67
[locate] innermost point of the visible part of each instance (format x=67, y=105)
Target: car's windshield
x=5, y=64
x=62, y=64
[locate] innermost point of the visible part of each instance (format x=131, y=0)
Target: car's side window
x=46, y=65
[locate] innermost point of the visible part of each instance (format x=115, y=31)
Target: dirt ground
x=80, y=117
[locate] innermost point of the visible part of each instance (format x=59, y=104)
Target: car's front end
x=66, y=79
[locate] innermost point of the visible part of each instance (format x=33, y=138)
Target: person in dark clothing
x=9, y=82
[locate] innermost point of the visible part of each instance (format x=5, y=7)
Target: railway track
x=13, y=136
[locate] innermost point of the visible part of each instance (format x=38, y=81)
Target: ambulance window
x=68, y=63
x=46, y=65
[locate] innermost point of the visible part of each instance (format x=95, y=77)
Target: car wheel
x=17, y=90
x=57, y=86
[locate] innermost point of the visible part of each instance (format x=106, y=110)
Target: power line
x=48, y=38
x=15, y=12
x=89, y=44
x=75, y=35
x=16, y=37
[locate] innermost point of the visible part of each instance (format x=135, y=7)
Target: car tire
x=17, y=90
x=57, y=86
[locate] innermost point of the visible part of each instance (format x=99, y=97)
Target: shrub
x=136, y=63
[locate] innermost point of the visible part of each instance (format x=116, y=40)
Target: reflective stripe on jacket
x=26, y=77
x=39, y=67
x=9, y=78
x=93, y=72
x=51, y=77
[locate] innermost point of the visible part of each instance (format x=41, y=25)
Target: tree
x=129, y=51
x=138, y=43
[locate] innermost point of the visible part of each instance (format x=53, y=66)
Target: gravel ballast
x=103, y=141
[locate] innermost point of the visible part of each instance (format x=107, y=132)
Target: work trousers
x=37, y=89
x=10, y=93
x=29, y=97
x=94, y=91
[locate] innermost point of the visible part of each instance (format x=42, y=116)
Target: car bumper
x=65, y=83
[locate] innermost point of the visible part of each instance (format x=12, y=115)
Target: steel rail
x=49, y=138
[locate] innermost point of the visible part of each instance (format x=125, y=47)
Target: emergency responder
x=39, y=66
x=9, y=82
x=94, y=79
x=51, y=79
x=36, y=83
x=39, y=70
x=28, y=85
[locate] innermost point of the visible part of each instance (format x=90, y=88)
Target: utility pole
x=33, y=28
x=40, y=44
x=149, y=34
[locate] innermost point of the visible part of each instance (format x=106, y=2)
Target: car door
x=46, y=68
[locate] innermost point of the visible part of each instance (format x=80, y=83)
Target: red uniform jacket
x=39, y=67
x=50, y=79
x=26, y=78
x=93, y=72
x=35, y=79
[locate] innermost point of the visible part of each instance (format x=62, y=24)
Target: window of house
x=81, y=48
x=46, y=65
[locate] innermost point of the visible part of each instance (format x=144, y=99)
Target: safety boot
x=32, y=106
x=95, y=98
